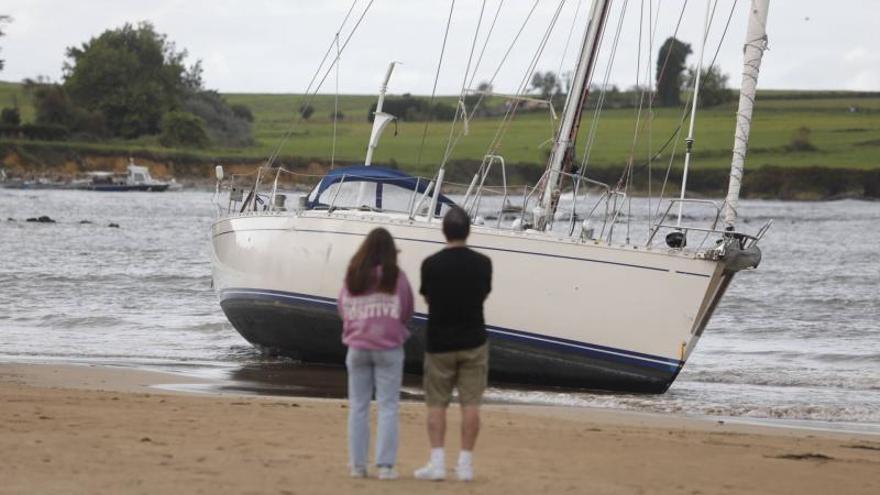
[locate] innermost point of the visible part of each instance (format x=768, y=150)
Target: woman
x=375, y=303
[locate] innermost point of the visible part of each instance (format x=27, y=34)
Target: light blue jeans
x=381, y=371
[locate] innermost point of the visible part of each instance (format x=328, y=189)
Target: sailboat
x=569, y=308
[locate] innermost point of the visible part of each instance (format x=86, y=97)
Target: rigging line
x=273, y=156
x=600, y=104
x=458, y=108
x=511, y=111
x=574, y=20
x=335, y=109
x=663, y=69
x=628, y=171
x=309, y=96
x=677, y=131
x=651, y=39
x=695, y=99
x=330, y=48
x=485, y=44
x=506, y=54
x=687, y=102
x=500, y=64
x=434, y=89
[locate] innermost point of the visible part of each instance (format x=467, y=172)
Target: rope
x=467, y=70
x=434, y=89
x=310, y=93
x=335, y=109
x=677, y=132
x=485, y=44
x=500, y=64
x=511, y=111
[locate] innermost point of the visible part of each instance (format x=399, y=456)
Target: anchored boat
x=571, y=305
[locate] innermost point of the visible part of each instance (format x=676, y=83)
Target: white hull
x=561, y=312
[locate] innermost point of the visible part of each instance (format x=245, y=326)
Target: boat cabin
x=374, y=188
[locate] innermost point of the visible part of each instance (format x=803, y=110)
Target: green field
x=844, y=129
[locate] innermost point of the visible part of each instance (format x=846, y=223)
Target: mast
x=562, y=155
x=380, y=118
x=753, y=51
x=380, y=121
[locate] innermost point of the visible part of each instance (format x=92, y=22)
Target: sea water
x=798, y=339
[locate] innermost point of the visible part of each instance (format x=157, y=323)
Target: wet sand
x=81, y=429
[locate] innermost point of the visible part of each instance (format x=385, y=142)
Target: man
x=455, y=282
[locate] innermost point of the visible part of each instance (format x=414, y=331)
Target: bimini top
x=376, y=187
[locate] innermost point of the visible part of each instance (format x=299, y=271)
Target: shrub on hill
x=801, y=141
x=126, y=81
x=10, y=116
x=411, y=108
x=223, y=125
x=183, y=129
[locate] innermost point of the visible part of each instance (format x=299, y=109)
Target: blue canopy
x=377, y=175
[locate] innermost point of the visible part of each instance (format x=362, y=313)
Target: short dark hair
x=456, y=224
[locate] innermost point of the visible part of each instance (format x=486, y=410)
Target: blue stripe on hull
x=518, y=352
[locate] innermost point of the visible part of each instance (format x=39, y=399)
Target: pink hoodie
x=376, y=320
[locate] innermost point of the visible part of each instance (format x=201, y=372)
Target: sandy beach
x=86, y=429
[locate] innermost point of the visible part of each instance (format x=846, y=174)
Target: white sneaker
x=430, y=472
x=358, y=472
x=464, y=472
x=387, y=473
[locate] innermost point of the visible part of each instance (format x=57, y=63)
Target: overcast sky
x=275, y=45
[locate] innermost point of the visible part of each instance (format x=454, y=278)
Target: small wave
x=81, y=321
x=670, y=404
x=209, y=327
x=848, y=358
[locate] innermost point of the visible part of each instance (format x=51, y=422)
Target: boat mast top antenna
x=561, y=157
x=756, y=43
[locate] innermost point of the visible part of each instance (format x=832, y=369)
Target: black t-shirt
x=455, y=282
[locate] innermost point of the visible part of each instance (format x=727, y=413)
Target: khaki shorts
x=466, y=370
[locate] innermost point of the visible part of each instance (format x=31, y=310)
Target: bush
x=10, y=116
x=35, y=132
x=223, y=125
x=801, y=141
x=183, y=129
x=242, y=112
x=408, y=107
x=306, y=111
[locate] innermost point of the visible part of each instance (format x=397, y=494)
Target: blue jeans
x=382, y=371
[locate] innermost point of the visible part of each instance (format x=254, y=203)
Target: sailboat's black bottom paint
x=310, y=331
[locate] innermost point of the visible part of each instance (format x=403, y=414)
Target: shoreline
x=328, y=383
x=764, y=180
x=107, y=429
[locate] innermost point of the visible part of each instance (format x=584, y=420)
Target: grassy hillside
x=844, y=129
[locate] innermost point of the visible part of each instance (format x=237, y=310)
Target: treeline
x=130, y=83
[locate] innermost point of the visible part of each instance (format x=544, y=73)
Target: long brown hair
x=377, y=250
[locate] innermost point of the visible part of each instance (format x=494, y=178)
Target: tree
x=222, y=124
x=53, y=107
x=243, y=112
x=132, y=76
x=3, y=20
x=713, y=87
x=306, y=111
x=547, y=84
x=484, y=87
x=180, y=129
x=670, y=66
x=10, y=116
